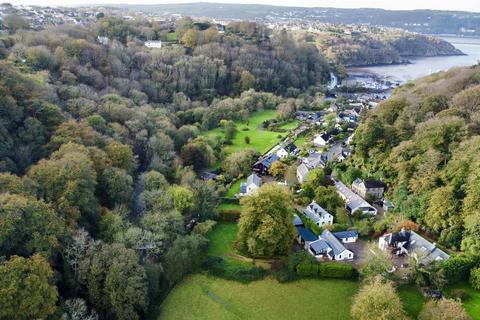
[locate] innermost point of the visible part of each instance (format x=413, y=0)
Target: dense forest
x=424, y=141
x=100, y=155
x=379, y=46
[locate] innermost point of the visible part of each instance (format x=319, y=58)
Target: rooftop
x=353, y=200
x=346, y=234
x=334, y=243
x=306, y=234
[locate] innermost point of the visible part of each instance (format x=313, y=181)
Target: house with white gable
x=322, y=140
x=314, y=160
x=329, y=246
x=251, y=185
x=318, y=215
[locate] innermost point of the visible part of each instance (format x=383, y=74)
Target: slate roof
x=254, y=179
x=290, y=148
x=297, y=221
x=374, y=184
x=346, y=234
x=320, y=246
x=430, y=250
x=268, y=160
x=333, y=242
x=306, y=234
x=353, y=200
x=303, y=170
x=315, y=212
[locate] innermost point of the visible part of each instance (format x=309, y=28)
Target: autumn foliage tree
x=26, y=288
x=265, y=226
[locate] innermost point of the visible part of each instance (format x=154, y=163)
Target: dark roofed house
x=365, y=188
x=412, y=244
x=263, y=164
x=305, y=236
x=291, y=148
x=329, y=245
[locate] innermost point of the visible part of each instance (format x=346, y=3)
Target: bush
x=307, y=270
x=326, y=270
x=204, y=227
x=216, y=266
x=336, y=270
x=229, y=215
x=475, y=278
x=286, y=275
x=459, y=294
x=457, y=268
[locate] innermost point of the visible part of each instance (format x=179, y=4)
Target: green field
x=204, y=297
x=260, y=139
x=171, y=36
x=412, y=299
x=472, y=304
x=222, y=238
x=290, y=125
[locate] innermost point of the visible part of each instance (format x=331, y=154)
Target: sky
x=462, y=5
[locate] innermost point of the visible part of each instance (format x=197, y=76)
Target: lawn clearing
x=229, y=206
x=300, y=142
x=261, y=140
x=412, y=299
x=171, y=36
x=290, y=125
x=472, y=304
x=222, y=238
x=204, y=297
x=234, y=189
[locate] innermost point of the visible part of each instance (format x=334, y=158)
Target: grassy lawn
x=203, y=297
x=229, y=206
x=290, y=125
x=472, y=304
x=260, y=140
x=222, y=238
x=300, y=142
x=412, y=299
x=171, y=36
x=234, y=189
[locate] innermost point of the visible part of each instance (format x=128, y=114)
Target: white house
x=314, y=160
x=102, y=40
x=322, y=140
x=318, y=215
x=154, y=44
x=349, y=236
x=251, y=185
x=412, y=244
x=282, y=153
x=302, y=173
x=353, y=201
x=288, y=150
x=328, y=245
